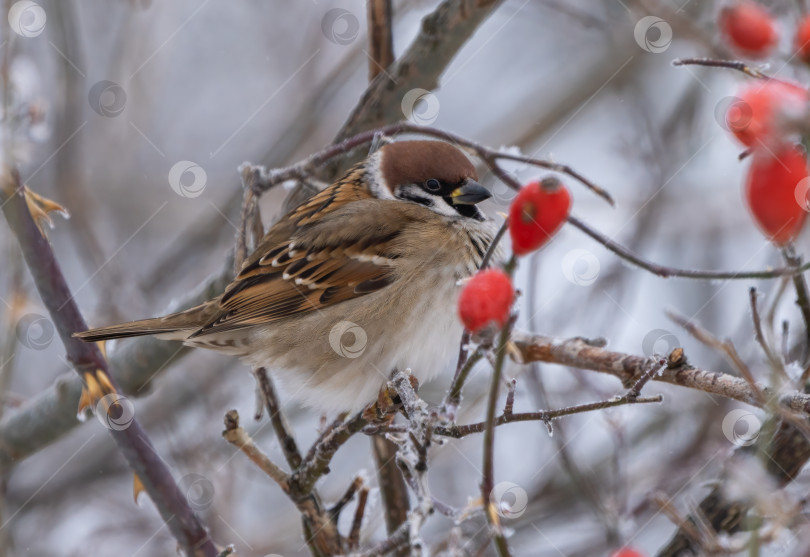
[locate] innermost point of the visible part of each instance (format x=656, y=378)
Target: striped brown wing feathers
x=318, y=265
x=349, y=188
x=274, y=243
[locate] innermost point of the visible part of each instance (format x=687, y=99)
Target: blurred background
x=137, y=116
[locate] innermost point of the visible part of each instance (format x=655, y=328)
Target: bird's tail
x=177, y=326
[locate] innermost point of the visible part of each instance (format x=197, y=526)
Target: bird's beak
x=469, y=194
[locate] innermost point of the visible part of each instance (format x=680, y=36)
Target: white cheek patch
x=377, y=184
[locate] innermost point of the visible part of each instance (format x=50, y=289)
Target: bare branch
x=775, y=362
x=794, y=261
x=90, y=364
x=459, y=431
x=441, y=36
x=666, y=272
x=380, y=37
x=134, y=364
x=591, y=355
x=313, y=468
x=488, y=474
x=280, y=425
x=238, y=437
x=730, y=64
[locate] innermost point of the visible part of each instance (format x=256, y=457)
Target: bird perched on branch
x=357, y=281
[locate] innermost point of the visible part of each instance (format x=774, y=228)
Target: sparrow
x=359, y=280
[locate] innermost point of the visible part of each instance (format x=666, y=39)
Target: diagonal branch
x=134, y=364
x=442, y=35
x=89, y=363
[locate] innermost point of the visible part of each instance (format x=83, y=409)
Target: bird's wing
x=304, y=263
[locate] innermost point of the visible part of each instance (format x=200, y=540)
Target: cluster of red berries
x=536, y=214
x=752, y=32
x=766, y=117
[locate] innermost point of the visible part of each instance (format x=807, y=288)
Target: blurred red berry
x=486, y=298
x=627, y=552
x=749, y=28
x=771, y=193
x=536, y=213
x=802, y=40
x=761, y=114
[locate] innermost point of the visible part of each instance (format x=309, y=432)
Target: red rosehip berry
x=486, y=298
x=802, y=40
x=536, y=213
x=771, y=193
x=749, y=28
x=761, y=115
x=627, y=552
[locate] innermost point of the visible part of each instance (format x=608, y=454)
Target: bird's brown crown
x=415, y=162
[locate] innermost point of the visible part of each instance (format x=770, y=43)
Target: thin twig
x=654, y=370
x=238, y=437
x=280, y=425
x=454, y=396
x=730, y=64
x=357, y=521
x=729, y=350
x=488, y=474
x=509, y=407
x=493, y=247
x=326, y=431
x=313, y=468
x=459, y=431
x=684, y=524
x=268, y=178
x=666, y=272
x=776, y=363
x=338, y=507
x=393, y=490
x=794, y=260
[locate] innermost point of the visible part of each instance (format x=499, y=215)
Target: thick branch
x=320, y=530
x=52, y=413
x=443, y=34
x=591, y=355
x=87, y=360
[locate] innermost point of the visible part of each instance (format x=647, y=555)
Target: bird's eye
x=433, y=185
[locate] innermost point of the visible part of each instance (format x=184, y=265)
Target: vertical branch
x=393, y=490
x=380, y=37
x=488, y=479
x=802, y=297
x=280, y=425
x=776, y=364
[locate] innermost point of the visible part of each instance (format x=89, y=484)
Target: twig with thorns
x=91, y=365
